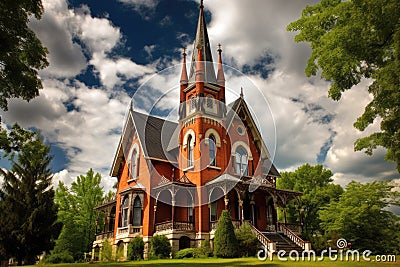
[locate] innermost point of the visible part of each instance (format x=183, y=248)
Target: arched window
x=134, y=161
x=241, y=161
x=125, y=211
x=212, y=150
x=137, y=212
x=189, y=151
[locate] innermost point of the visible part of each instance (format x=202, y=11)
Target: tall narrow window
x=213, y=211
x=212, y=150
x=125, y=210
x=190, y=214
x=137, y=212
x=189, y=151
x=134, y=160
x=241, y=161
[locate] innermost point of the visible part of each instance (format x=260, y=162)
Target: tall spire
x=202, y=43
x=220, y=74
x=184, y=78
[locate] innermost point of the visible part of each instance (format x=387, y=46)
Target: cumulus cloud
x=65, y=56
x=144, y=7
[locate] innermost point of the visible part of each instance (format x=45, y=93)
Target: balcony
x=213, y=225
x=174, y=226
x=128, y=231
x=105, y=235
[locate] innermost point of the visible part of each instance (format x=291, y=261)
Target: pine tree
x=225, y=242
x=28, y=213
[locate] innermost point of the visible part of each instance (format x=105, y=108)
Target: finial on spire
x=219, y=47
x=241, y=92
x=184, y=52
x=201, y=4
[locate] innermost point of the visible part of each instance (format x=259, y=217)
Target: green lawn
x=229, y=262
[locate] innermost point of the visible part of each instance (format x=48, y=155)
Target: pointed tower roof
x=202, y=42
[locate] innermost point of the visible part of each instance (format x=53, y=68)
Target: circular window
x=240, y=130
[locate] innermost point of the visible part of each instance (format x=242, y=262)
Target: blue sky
x=101, y=52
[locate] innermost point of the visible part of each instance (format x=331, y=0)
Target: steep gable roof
x=233, y=110
x=158, y=139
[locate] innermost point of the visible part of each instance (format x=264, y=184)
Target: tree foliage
x=28, y=221
x=225, y=242
x=316, y=184
x=248, y=241
x=160, y=247
x=21, y=52
x=361, y=217
x=136, y=248
x=77, y=213
x=352, y=40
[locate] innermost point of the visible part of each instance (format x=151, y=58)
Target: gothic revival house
x=175, y=178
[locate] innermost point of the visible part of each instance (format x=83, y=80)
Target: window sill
x=213, y=167
x=188, y=168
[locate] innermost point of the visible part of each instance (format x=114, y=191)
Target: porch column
x=241, y=210
x=154, y=219
x=284, y=214
x=252, y=203
x=130, y=209
x=173, y=212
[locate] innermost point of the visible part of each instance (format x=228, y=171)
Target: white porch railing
x=179, y=226
x=128, y=231
x=294, y=237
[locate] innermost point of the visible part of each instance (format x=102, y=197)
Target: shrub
x=61, y=257
x=187, y=253
x=205, y=249
x=225, y=242
x=160, y=247
x=106, y=251
x=136, y=248
x=248, y=241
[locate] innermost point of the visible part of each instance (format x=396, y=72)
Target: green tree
x=136, y=248
x=248, y=241
x=361, y=217
x=352, y=40
x=77, y=214
x=160, y=247
x=106, y=251
x=316, y=184
x=28, y=221
x=225, y=242
x=21, y=52
x=11, y=142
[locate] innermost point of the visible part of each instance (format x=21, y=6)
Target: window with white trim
x=134, y=165
x=241, y=161
x=212, y=150
x=137, y=212
x=125, y=211
x=189, y=151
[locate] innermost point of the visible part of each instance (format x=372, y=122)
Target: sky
x=102, y=52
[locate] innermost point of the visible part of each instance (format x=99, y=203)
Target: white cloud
x=65, y=56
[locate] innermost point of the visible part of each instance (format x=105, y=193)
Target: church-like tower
x=215, y=159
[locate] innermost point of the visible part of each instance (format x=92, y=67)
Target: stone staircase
x=283, y=243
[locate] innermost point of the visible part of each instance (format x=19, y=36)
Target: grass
x=214, y=262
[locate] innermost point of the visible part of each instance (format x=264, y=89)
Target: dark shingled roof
x=158, y=137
